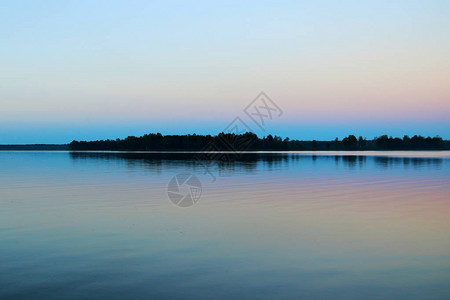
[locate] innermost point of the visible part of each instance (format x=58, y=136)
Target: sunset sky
x=107, y=69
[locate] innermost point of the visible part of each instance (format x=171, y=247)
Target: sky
x=88, y=70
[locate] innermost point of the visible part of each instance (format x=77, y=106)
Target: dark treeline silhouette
x=250, y=142
x=35, y=147
x=194, y=142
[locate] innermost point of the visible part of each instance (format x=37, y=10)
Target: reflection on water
x=250, y=161
x=313, y=225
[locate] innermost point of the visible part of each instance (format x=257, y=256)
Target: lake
x=324, y=225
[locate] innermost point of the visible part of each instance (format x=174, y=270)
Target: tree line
x=251, y=142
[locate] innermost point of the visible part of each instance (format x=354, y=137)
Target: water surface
x=314, y=225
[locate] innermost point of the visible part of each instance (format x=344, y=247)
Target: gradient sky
x=106, y=69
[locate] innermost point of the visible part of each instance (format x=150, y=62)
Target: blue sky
x=107, y=69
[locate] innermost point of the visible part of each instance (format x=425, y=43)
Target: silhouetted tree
x=350, y=142
x=362, y=142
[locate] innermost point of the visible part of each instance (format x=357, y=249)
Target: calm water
x=326, y=225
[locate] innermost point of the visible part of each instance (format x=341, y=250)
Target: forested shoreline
x=251, y=142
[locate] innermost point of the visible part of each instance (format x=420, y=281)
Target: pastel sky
x=107, y=69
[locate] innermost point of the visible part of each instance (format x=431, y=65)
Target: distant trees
x=147, y=142
x=362, y=143
x=385, y=142
x=250, y=141
x=221, y=142
x=350, y=142
x=407, y=143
